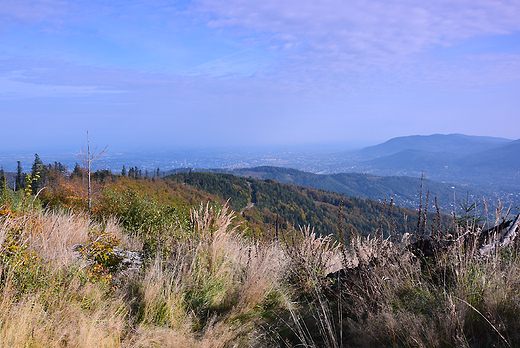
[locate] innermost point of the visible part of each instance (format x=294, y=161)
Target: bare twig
x=87, y=160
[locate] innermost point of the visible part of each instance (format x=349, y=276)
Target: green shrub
x=145, y=218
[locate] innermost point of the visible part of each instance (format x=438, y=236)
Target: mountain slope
x=496, y=168
x=286, y=205
x=506, y=157
x=452, y=143
x=403, y=190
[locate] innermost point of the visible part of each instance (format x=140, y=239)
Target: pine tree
x=3, y=180
x=36, y=165
x=77, y=173
x=37, y=174
x=123, y=172
x=3, y=187
x=60, y=168
x=19, y=183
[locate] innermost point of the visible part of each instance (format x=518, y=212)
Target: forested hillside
x=485, y=163
x=402, y=189
x=290, y=206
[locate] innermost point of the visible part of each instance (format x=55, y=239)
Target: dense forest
x=403, y=190
x=295, y=206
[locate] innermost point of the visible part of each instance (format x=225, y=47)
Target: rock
x=128, y=260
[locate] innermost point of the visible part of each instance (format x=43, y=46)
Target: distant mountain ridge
x=458, y=144
x=454, y=164
x=506, y=156
x=484, y=166
x=484, y=162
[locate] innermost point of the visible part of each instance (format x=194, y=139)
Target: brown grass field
x=213, y=286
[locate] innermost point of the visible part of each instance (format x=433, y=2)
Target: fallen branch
x=506, y=240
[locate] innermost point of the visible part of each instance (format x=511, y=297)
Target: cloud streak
x=12, y=89
x=32, y=11
x=379, y=33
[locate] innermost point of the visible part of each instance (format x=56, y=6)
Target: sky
x=156, y=74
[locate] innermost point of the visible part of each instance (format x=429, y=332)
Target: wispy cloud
x=12, y=89
x=246, y=63
x=474, y=70
x=365, y=32
x=21, y=79
x=30, y=11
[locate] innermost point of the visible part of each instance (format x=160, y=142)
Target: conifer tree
x=36, y=164
x=60, y=168
x=3, y=187
x=3, y=180
x=19, y=182
x=37, y=174
x=123, y=172
x=77, y=173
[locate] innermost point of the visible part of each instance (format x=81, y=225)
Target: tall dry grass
x=214, y=288
x=46, y=298
x=211, y=286
x=387, y=296
x=72, y=313
x=211, y=290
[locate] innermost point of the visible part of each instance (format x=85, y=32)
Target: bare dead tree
x=87, y=159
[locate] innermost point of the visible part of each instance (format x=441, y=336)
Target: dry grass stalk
x=215, y=288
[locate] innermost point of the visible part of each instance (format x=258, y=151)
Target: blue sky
x=168, y=74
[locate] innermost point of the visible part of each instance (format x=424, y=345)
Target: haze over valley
x=453, y=165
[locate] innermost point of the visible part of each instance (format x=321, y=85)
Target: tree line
x=289, y=206
x=260, y=203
